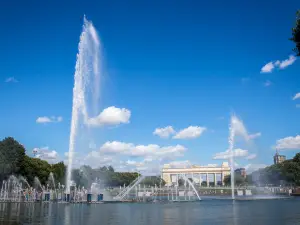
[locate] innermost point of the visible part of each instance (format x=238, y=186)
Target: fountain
x=37, y=184
x=21, y=178
x=87, y=68
x=236, y=127
x=231, y=151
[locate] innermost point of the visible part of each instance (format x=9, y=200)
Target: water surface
x=259, y=212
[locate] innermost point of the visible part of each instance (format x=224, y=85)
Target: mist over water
x=87, y=72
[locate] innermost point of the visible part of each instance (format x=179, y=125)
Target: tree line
x=14, y=161
x=286, y=173
x=107, y=177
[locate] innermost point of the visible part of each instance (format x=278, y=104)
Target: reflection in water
x=169, y=214
x=234, y=212
x=212, y=212
x=67, y=215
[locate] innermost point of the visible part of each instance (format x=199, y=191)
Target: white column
x=207, y=180
x=200, y=181
x=215, y=179
x=222, y=178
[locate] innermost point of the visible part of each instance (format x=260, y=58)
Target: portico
x=210, y=174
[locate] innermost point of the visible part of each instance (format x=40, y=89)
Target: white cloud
x=285, y=63
x=267, y=83
x=180, y=164
x=46, y=154
x=43, y=119
x=255, y=135
x=131, y=162
x=110, y=116
x=95, y=159
x=116, y=147
x=237, y=153
x=212, y=165
x=164, y=132
x=288, y=143
x=50, y=155
x=190, y=132
x=151, y=151
x=269, y=67
x=136, y=164
x=251, y=156
x=46, y=119
x=11, y=80
x=296, y=96
x=146, y=168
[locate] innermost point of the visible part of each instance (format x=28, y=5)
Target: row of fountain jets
x=17, y=189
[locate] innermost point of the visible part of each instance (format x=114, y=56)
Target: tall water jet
x=236, y=127
x=87, y=68
x=231, y=152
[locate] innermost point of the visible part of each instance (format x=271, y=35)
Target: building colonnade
x=198, y=174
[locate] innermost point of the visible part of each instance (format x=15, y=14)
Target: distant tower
x=278, y=158
x=35, y=151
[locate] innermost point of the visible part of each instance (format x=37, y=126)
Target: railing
x=126, y=191
x=191, y=184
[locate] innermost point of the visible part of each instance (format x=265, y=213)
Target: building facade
x=279, y=158
x=241, y=171
x=201, y=175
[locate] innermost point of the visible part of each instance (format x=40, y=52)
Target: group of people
x=30, y=195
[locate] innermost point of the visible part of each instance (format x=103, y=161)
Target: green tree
x=59, y=170
x=296, y=34
x=34, y=167
x=287, y=171
x=111, y=169
x=297, y=158
x=152, y=181
x=238, y=179
x=180, y=182
x=13, y=160
x=11, y=157
x=227, y=180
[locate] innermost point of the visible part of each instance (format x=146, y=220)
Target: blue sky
x=179, y=64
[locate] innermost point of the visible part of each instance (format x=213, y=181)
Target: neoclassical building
x=199, y=174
